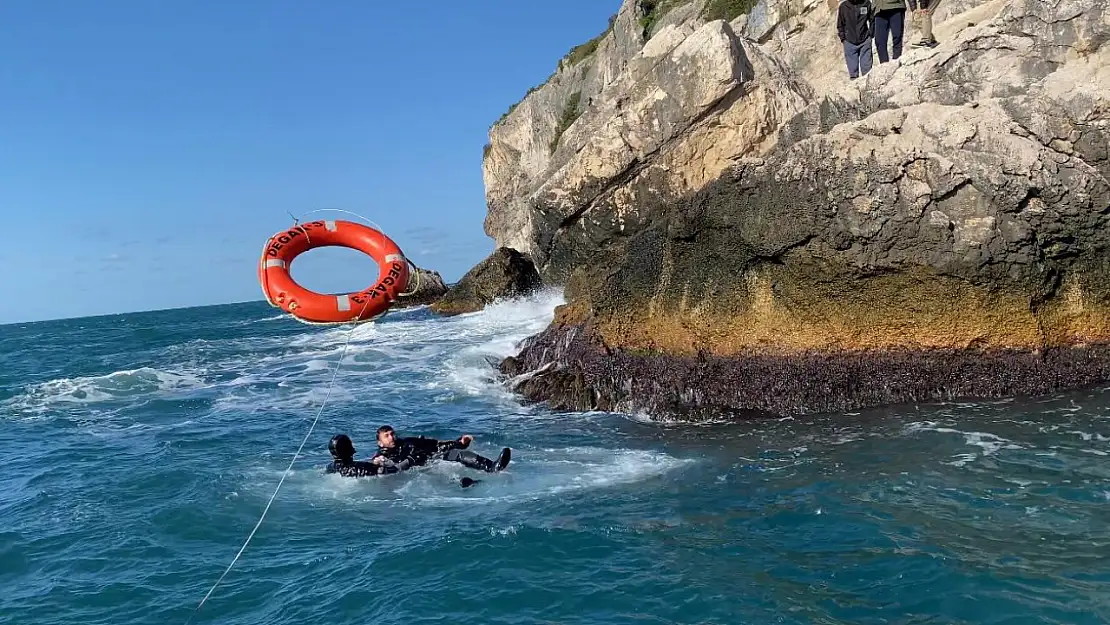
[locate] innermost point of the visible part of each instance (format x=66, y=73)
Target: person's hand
x=378, y=460
x=465, y=439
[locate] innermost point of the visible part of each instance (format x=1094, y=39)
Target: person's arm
x=840, y=21
x=389, y=466
x=361, y=468
x=460, y=443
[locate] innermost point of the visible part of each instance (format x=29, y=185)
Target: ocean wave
x=988, y=443
x=127, y=385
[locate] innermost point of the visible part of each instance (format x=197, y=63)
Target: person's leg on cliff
x=924, y=17
x=851, y=58
x=897, y=32
x=865, y=58
x=882, y=30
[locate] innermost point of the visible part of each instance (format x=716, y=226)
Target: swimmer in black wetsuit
x=344, y=463
x=417, y=450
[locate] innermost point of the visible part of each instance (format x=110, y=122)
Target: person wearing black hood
x=344, y=463
x=855, y=25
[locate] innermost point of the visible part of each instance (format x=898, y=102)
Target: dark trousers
x=891, y=21
x=858, y=58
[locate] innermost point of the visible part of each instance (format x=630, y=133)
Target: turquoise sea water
x=138, y=451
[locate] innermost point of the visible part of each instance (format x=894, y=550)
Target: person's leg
x=926, y=18
x=472, y=460
x=865, y=57
x=882, y=27
x=851, y=58
x=897, y=30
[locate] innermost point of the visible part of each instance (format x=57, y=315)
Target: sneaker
x=503, y=459
x=932, y=43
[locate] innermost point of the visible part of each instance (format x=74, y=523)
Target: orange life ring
x=283, y=292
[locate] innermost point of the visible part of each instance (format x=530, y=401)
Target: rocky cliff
x=743, y=230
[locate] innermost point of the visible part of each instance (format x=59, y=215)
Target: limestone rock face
x=664, y=124
x=729, y=201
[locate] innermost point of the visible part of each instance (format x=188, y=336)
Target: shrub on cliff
x=566, y=118
x=654, y=10
x=728, y=9
x=583, y=51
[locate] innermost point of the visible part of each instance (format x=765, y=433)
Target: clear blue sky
x=148, y=149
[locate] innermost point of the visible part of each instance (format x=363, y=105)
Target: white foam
x=1087, y=436
x=402, y=355
x=131, y=384
x=665, y=421
x=987, y=442
x=278, y=317
x=534, y=474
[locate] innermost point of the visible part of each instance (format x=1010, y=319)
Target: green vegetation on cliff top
x=584, y=51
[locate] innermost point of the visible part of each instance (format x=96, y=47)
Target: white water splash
x=409, y=353
x=534, y=475
x=131, y=385
x=987, y=442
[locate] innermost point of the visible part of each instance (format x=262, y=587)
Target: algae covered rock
x=425, y=287
x=504, y=273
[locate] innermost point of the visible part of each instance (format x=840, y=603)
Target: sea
x=138, y=453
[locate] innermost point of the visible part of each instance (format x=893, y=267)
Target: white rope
x=414, y=273
x=331, y=384
x=340, y=210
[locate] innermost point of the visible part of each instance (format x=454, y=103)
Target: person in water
x=344, y=463
x=418, y=450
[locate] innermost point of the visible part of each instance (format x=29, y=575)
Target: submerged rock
x=425, y=287
x=504, y=273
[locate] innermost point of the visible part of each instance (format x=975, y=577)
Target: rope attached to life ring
x=414, y=270
x=312, y=427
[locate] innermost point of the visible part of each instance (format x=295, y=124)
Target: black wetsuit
x=349, y=467
x=417, y=450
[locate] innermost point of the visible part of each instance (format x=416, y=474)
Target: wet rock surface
x=425, y=287
x=505, y=273
x=570, y=369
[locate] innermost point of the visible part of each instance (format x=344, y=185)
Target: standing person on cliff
x=855, y=25
x=890, y=17
x=923, y=16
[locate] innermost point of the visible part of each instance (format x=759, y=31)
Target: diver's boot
x=503, y=459
x=471, y=460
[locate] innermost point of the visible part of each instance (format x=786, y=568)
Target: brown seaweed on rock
x=565, y=367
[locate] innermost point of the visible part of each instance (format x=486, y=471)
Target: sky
x=149, y=149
